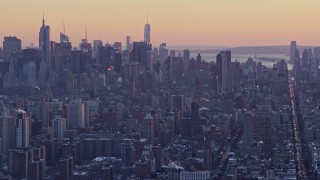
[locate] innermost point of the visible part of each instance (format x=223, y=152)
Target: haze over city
x=160, y=89
x=178, y=22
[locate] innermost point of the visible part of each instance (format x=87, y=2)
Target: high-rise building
x=62, y=53
x=148, y=128
x=223, y=59
x=23, y=129
x=199, y=62
x=66, y=166
x=141, y=52
x=7, y=129
x=293, y=48
x=45, y=45
x=247, y=129
x=305, y=58
x=177, y=103
x=316, y=52
x=261, y=126
x=147, y=32
x=127, y=153
x=77, y=114
x=10, y=45
x=96, y=45
x=128, y=42
x=58, y=125
x=186, y=59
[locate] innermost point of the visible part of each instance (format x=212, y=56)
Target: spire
x=148, y=18
x=86, y=35
x=64, y=28
x=43, y=23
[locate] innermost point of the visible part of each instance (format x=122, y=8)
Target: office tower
x=305, y=58
x=7, y=129
x=23, y=124
x=11, y=44
x=96, y=45
x=62, y=53
x=167, y=72
x=77, y=113
x=163, y=52
x=117, y=46
x=141, y=53
x=172, y=53
x=316, y=52
x=222, y=61
x=261, y=125
x=199, y=62
x=128, y=42
x=59, y=125
x=247, y=129
x=177, y=103
x=117, y=63
x=18, y=163
x=147, y=32
x=177, y=70
x=45, y=45
x=155, y=55
x=195, y=118
x=66, y=166
x=86, y=49
x=310, y=53
x=148, y=128
x=10, y=80
x=186, y=59
x=314, y=67
x=293, y=48
x=127, y=153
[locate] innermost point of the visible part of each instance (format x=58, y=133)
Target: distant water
x=244, y=57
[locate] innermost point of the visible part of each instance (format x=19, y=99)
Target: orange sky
x=177, y=22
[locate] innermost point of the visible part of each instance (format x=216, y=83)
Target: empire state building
x=45, y=44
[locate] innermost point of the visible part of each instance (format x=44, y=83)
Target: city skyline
x=209, y=23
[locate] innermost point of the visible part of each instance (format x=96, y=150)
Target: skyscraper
x=128, y=42
x=293, y=48
x=22, y=129
x=223, y=61
x=58, y=125
x=45, y=44
x=186, y=59
x=140, y=53
x=147, y=32
x=148, y=128
x=10, y=45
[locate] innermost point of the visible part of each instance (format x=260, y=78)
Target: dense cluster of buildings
x=99, y=111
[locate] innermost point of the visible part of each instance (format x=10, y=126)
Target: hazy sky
x=177, y=22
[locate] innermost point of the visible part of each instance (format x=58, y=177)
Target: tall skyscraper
x=10, y=45
x=293, y=48
x=186, y=59
x=22, y=129
x=77, y=114
x=45, y=44
x=223, y=61
x=7, y=129
x=128, y=42
x=147, y=32
x=148, y=128
x=58, y=125
x=96, y=45
x=140, y=53
x=305, y=58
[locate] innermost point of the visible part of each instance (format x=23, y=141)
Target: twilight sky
x=177, y=22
